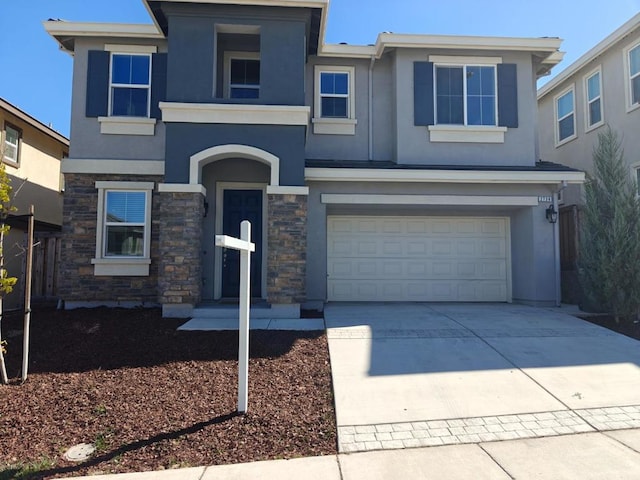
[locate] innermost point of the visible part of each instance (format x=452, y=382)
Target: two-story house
x=406, y=170
x=600, y=88
x=31, y=153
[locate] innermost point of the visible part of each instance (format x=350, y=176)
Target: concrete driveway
x=409, y=375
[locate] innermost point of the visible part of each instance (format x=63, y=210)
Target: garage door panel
x=417, y=259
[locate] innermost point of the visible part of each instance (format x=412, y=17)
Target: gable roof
x=37, y=124
x=619, y=34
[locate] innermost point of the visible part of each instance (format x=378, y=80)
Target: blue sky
x=36, y=77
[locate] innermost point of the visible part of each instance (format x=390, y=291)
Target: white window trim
x=127, y=125
x=587, y=102
x=466, y=133
x=334, y=126
x=230, y=55
x=481, y=62
x=121, y=85
x=627, y=77
x=10, y=161
x=556, y=126
x=122, y=266
x=635, y=170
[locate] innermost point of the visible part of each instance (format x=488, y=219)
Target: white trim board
x=438, y=176
x=235, y=114
x=107, y=166
x=486, y=200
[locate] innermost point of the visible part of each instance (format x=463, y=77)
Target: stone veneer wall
x=77, y=283
x=287, y=247
x=180, y=224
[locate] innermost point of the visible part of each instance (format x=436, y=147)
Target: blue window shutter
x=158, y=83
x=507, y=95
x=97, y=84
x=423, y=93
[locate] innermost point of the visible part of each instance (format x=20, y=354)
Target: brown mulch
x=628, y=328
x=153, y=398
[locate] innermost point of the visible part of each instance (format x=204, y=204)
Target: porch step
x=262, y=311
x=221, y=324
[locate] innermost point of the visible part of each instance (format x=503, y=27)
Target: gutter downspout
x=373, y=60
x=556, y=245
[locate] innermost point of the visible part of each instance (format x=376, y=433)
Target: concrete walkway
x=582, y=456
x=412, y=375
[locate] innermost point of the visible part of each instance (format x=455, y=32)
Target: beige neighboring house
x=601, y=88
x=32, y=153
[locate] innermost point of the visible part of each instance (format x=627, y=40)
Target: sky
x=36, y=76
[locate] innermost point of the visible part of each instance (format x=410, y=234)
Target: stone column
x=180, y=272
x=287, y=249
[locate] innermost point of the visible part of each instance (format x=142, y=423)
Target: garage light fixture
x=551, y=214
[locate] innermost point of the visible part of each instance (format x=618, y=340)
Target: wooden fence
x=46, y=259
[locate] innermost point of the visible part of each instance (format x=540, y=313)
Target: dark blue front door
x=241, y=205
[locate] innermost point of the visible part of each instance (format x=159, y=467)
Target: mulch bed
x=630, y=329
x=152, y=398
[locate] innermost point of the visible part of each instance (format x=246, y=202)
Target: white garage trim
x=317, y=174
x=486, y=200
x=418, y=258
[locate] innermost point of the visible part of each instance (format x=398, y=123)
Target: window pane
x=11, y=153
x=488, y=80
x=334, y=83
x=473, y=81
x=449, y=97
x=239, y=92
x=593, y=86
x=634, y=61
x=129, y=102
x=121, y=69
x=245, y=72
x=565, y=104
x=139, y=70
x=334, y=107
x=11, y=136
x=488, y=110
x=126, y=207
x=566, y=128
x=474, y=110
x=125, y=241
x=635, y=90
x=595, y=114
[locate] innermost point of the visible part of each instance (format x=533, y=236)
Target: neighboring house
x=401, y=171
x=600, y=88
x=32, y=153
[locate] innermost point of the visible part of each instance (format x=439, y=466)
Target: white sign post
x=246, y=247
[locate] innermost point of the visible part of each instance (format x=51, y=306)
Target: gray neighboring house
x=405, y=170
x=600, y=88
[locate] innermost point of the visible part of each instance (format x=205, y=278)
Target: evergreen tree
x=610, y=233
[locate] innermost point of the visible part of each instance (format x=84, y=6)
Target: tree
x=610, y=233
x=6, y=282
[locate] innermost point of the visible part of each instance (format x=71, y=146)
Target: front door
x=239, y=205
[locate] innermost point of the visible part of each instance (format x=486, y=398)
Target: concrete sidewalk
x=585, y=456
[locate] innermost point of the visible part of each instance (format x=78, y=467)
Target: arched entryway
x=236, y=178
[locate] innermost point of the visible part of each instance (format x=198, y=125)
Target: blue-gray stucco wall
x=285, y=142
x=191, y=70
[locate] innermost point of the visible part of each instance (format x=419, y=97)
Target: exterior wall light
x=551, y=214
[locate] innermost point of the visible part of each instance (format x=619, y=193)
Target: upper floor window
x=334, y=105
x=334, y=94
x=245, y=78
x=633, y=61
x=593, y=89
x=11, y=144
x=130, y=85
x=565, y=116
x=466, y=95
x=242, y=75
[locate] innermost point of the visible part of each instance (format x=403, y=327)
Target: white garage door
x=434, y=259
